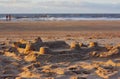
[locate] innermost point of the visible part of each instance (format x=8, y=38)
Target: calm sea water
x=45, y=17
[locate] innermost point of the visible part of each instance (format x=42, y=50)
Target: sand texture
x=60, y=50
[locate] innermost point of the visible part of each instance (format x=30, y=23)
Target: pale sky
x=59, y=6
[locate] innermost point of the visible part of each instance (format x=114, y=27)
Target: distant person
x=7, y=17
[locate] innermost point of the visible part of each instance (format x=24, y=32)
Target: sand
x=60, y=50
x=61, y=26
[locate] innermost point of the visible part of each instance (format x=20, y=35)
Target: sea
x=60, y=17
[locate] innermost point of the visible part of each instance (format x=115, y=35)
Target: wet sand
x=59, y=29
x=61, y=26
x=60, y=50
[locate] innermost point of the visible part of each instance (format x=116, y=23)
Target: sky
x=59, y=6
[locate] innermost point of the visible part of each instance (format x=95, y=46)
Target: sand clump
x=38, y=40
x=102, y=73
x=74, y=45
x=112, y=52
x=30, y=57
x=13, y=55
x=93, y=44
x=23, y=41
x=28, y=74
x=59, y=71
x=27, y=48
x=44, y=50
x=82, y=45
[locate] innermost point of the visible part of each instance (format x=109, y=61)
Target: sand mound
x=75, y=45
x=44, y=50
x=112, y=52
x=93, y=44
x=30, y=57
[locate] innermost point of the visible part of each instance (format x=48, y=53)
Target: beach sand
x=60, y=50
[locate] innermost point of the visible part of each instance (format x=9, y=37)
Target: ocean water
x=57, y=17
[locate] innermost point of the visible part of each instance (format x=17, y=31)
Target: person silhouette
x=7, y=17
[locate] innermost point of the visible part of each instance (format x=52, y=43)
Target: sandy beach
x=60, y=25
x=60, y=49
x=62, y=28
